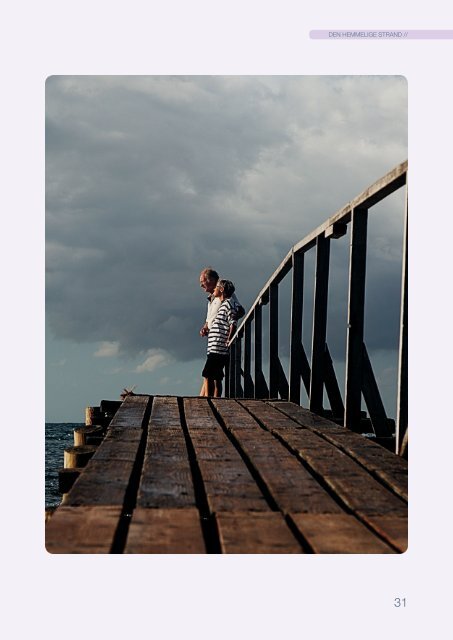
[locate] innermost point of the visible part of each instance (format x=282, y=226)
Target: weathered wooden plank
x=290, y=485
x=390, y=469
x=106, y=477
x=361, y=493
x=165, y=413
x=85, y=529
x=357, y=489
x=377, y=460
x=131, y=412
x=303, y=416
x=248, y=532
x=243, y=474
x=231, y=499
x=166, y=478
x=228, y=484
x=103, y=482
x=165, y=531
x=338, y=533
x=167, y=484
x=392, y=528
x=119, y=444
x=380, y=462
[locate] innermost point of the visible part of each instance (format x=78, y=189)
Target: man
x=208, y=281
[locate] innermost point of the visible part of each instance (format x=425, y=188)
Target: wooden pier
x=177, y=475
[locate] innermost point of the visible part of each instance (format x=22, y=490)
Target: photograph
x=226, y=314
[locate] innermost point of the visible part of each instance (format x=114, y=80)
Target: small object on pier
x=127, y=392
x=109, y=408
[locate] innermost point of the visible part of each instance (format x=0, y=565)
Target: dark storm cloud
x=150, y=179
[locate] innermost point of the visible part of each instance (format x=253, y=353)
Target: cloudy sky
x=149, y=179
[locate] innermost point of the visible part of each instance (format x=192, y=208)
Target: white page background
x=214, y=596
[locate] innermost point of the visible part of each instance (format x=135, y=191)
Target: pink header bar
x=381, y=34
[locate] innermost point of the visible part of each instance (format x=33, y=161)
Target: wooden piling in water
x=75, y=457
x=86, y=441
x=88, y=435
x=93, y=416
x=67, y=477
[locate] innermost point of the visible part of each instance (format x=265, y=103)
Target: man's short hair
x=210, y=274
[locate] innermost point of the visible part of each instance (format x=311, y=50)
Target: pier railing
x=245, y=376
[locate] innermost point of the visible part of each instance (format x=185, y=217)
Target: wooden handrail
x=379, y=190
x=319, y=374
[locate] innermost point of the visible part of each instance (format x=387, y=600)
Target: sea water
x=59, y=435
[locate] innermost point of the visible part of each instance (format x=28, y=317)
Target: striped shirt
x=213, y=306
x=220, y=328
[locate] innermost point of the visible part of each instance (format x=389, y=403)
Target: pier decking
x=192, y=475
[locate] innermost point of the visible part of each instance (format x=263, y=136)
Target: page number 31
x=399, y=603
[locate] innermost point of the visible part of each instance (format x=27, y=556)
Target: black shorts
x=215, y=363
